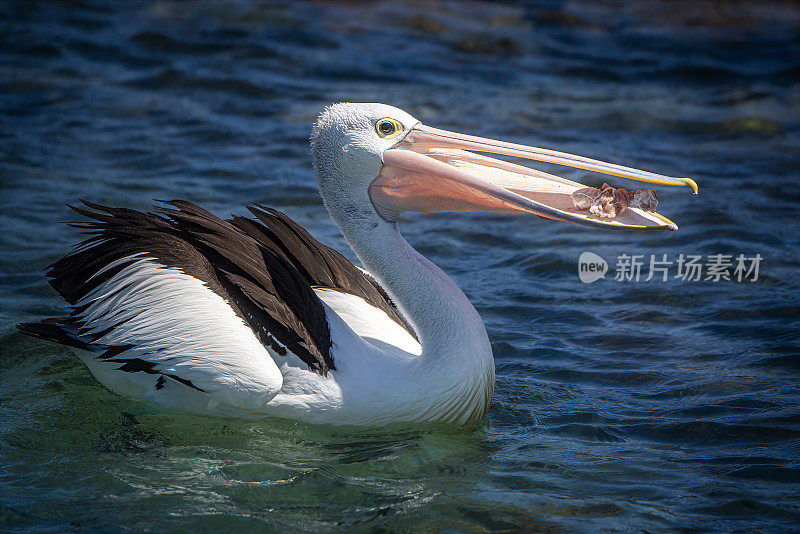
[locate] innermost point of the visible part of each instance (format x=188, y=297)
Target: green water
x=131, y=465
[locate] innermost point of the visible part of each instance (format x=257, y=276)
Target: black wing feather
x=322, y=265
x=266, y=269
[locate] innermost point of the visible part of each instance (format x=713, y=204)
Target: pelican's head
x=378, y=159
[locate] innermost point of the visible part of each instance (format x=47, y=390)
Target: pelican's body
x=380, y=375
x=255, y=318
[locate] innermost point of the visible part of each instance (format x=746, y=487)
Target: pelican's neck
x=456, y=354
x=446, y=323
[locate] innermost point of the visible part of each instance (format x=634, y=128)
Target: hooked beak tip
x=691, y=183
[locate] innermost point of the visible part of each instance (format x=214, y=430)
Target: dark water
x=620, y=405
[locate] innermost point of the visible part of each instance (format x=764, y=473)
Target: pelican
x=252, y=317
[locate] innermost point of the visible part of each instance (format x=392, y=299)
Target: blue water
x=620, y=405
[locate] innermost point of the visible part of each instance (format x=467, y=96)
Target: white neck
x=456, y=354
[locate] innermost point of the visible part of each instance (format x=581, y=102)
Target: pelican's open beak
x=434, y=170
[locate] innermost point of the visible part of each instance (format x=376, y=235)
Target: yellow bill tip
x=691, y=183
x=670, y=225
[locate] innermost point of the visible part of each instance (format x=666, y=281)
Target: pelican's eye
x=388, y=128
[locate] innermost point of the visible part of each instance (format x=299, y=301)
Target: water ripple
x=658, y=406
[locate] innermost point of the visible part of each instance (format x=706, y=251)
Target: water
x=622, y=406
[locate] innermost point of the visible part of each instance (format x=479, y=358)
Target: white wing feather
x=176, y=322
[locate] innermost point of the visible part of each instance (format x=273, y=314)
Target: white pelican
x=253, y=317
